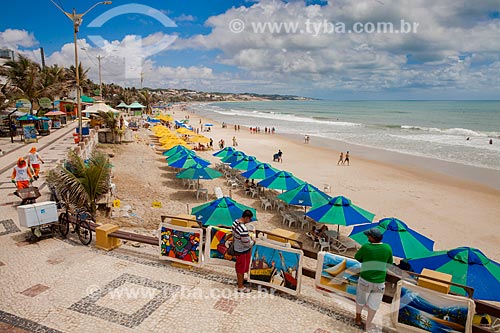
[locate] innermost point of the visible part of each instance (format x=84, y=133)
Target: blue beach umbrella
x=305, y=195
x=261, y=171
x=468, y=266
x=228, y=151
x=180, y=154
x=281, y=180
x=198, y=172
x=340, y=211
x=188, y=161
x=234, y=157
x=405, y=242
x=246, y=163
x=28, y=117
x=175, y=150
x=222, y=211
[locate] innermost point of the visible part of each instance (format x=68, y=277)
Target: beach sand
x=451, y=211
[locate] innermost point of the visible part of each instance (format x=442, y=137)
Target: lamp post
x=77, y=20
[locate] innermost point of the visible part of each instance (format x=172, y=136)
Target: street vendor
x=34, y=160
x=21, y=175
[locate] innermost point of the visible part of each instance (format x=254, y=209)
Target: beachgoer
x=491, y=141
x=21, y=174
x=235, y=143
x=341, y=158
x=34, y=160
x=280, y=156
x=468, y=138
x=318, y=233
x=252, y=184
x=243, y=247
x=346, y=158
x=238, y=128
x=235, y=128
x=374, y=258
x=211, y=142
x=305, y=139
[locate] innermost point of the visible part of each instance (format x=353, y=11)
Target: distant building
x=6, y=55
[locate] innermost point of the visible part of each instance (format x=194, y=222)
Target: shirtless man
x=341, y=159
x=346, y=158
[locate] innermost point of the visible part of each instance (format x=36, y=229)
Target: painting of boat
x=276, y=266
x=423, y=310
x=336, y=273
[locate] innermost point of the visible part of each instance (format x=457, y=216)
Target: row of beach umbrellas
x=468, y=266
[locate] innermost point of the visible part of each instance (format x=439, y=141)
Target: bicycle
x=80, y=224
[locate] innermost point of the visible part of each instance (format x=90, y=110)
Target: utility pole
x=142, y=78
x=77, y=20
x=42, y=54
x=100, y=77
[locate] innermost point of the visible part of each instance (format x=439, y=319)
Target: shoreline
x=443, y=208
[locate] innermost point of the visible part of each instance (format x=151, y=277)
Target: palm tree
x=27, y=80
x=82, y=75
x=80, y=183
x=146, y=99
x=111, y=120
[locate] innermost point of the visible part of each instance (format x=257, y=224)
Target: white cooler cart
x=40, y=217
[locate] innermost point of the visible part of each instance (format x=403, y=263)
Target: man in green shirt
x=374, y=258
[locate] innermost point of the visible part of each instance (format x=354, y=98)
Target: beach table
x=284, y=235
x=201, y=191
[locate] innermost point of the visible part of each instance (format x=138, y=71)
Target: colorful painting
x=417, y=309
x=29, y=133
x=276, y=266
x=216, y=253
x=181, y=244
x=337, y=274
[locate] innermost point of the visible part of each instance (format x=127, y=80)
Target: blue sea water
x=436, y=129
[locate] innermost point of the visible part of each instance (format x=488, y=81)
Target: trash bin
x=76, y=137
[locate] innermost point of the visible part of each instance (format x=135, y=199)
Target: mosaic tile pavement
x=90, y=304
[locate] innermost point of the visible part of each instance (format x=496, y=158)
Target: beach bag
x=230, y=250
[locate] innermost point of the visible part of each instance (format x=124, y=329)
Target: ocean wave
x=280, y=117
x=451, y=131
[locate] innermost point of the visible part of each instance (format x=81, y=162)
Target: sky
x=339, y=50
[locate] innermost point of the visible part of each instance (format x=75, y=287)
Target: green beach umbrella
x=198, y=171
x=468, y=266
x=222, y=211
x=187, y=161
x=175, y=150
x=305, y=195
x=246, y=163
x=261, y=171
x=228, y=151
x=180, y=154
x=281, y=180
x=234, y=157
x=340, y=211
x=405, y=242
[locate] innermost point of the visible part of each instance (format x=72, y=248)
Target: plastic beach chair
x=218, y=192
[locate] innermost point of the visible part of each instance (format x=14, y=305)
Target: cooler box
x=37, y=214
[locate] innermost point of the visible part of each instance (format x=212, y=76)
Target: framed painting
x=276, y=265
x=418, y=309
x=181, y=244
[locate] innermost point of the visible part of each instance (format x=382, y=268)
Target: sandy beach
x=451, y=211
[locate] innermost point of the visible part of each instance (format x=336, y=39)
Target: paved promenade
x=58, y=285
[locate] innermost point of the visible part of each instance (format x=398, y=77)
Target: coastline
x=441, y=207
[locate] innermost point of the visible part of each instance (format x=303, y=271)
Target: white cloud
x=456, y=44
x=14, y=38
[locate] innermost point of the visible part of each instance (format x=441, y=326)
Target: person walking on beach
x=374, y=258
x=346, y=158
x=280, y=156
x=341, y=158
x=243, y=247
x=34, y=160
x=21, y=174
x=235, y=143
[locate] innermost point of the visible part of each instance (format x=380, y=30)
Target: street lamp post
x=77, y=20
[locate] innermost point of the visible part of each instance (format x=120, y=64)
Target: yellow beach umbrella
x=184, y=130
x=200, y=139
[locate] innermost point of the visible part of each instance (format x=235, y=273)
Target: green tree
x=27, y=80
x=82, y=184
x=111, y=121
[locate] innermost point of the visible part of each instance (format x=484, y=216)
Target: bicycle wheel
x=84, y=232
x=63, y=224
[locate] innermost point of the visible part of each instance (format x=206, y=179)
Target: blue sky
x=451, y=52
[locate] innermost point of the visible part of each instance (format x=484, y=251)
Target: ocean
x=454, y=131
